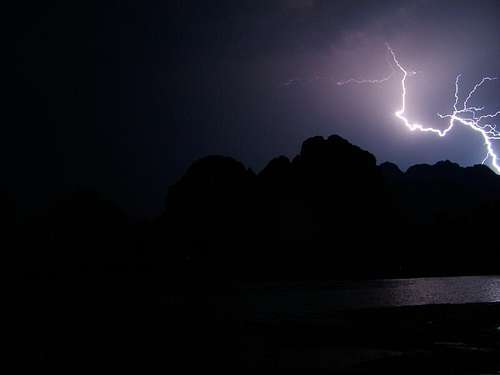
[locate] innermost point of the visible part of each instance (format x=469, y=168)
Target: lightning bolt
x=372, y=81
x=463, y=114
x=363, y=81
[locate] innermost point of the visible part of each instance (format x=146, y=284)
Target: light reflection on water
x=307, y=300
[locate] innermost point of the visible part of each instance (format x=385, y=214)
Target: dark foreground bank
x=97, y=322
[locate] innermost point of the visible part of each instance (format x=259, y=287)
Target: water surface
x=299, y=301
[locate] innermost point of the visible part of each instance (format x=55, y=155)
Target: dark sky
x=121, y=96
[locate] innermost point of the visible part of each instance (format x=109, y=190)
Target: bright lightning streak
x=466, y=115
x=369, y=81
x=362, y=81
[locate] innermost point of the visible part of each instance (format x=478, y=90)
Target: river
x=305, y=300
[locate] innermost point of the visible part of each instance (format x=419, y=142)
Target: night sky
x=121, y=96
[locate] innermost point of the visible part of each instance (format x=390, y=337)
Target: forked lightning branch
x=462, y=114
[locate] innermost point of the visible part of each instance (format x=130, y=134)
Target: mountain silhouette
x=91, y=286
x=332, y=210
